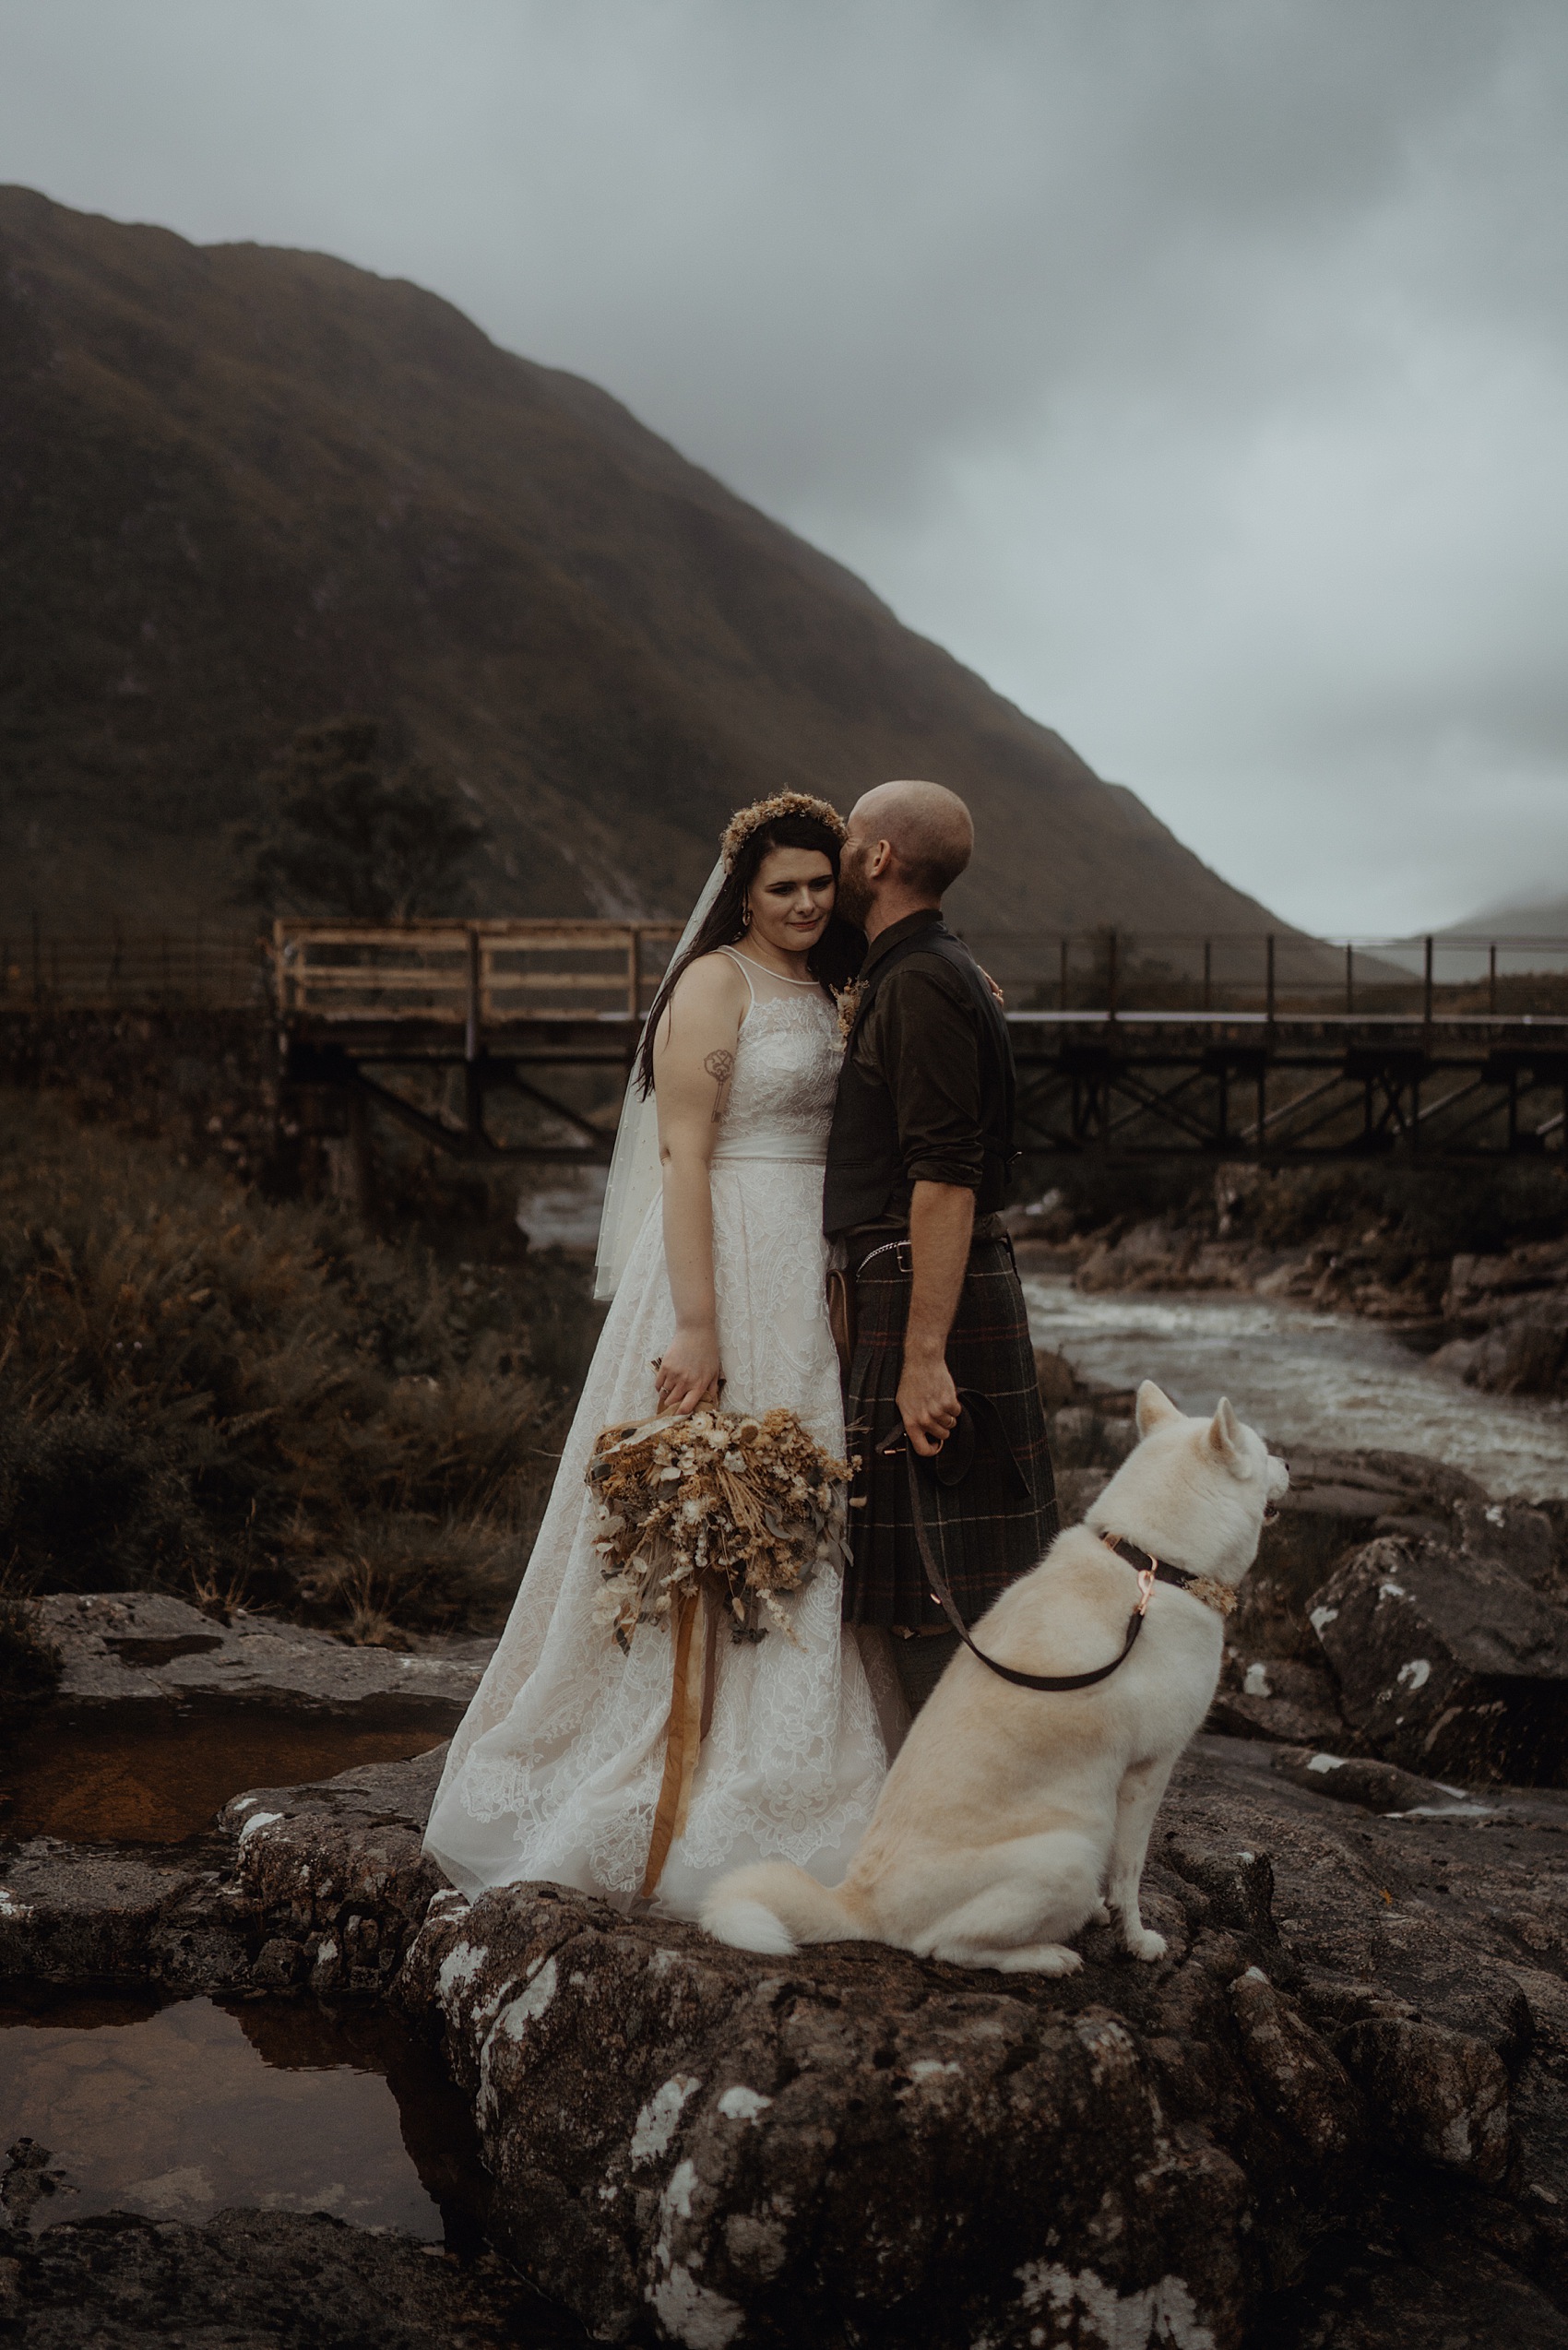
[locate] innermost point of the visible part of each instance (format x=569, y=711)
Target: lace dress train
x=555, y=1772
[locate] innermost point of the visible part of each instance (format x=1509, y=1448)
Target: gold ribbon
x=693, y=1629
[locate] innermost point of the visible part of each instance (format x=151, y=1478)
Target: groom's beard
x=853, y=899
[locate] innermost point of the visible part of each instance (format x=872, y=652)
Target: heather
x=259, y=1403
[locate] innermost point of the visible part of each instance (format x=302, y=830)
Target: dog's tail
x=773, y=1907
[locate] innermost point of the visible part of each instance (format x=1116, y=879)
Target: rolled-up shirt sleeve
x=929, y=1050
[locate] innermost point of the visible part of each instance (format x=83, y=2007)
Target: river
x=1329, y=1381
x=1326, y=1380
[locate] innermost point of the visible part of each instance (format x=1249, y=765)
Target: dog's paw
x=1039, y=1958
x=1146, y=1944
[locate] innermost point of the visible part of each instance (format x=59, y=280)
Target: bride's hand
x=687, y=1371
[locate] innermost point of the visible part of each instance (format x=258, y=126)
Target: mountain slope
x=243, y=490
x=1546, y=918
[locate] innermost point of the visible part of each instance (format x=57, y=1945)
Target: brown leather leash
x=977, y=1408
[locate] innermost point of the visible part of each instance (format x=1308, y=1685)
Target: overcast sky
x=1196, y=370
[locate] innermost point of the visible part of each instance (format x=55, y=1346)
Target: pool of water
x=1301, y=1377
x=178, y=2111
x=89, y=1779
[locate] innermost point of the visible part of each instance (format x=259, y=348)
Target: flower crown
x=745, y=820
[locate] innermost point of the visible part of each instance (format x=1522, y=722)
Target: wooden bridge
x=1266, y=1049
x=1277, y=1050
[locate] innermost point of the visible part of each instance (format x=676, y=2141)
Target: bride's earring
x=746, y=916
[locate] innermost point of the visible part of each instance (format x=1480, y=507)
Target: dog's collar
x=1220, y=1596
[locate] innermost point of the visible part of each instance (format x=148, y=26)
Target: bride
x=712, y=1238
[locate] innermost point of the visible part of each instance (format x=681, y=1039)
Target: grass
x=257, y=1403
x=30, y=1661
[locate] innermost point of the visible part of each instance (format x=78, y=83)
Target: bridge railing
x=131, y=970
x=1274, y=975
x=503, y=972
x=478, y=974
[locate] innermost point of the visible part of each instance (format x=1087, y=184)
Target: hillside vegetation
x=256, y=1403
x=248, y=491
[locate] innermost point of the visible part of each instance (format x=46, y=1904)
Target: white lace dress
x=555, y=1770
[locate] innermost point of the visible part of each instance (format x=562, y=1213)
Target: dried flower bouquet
x=707, y=1517
x=746, y=1501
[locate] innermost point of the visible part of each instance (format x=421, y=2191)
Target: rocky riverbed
x=1334, y=2118
x=1336, y=2115
x=1500, y=1319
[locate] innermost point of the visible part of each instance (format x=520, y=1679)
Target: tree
x=338, y=834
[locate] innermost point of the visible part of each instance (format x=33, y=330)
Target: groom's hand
x=942, y=1218
x=928, y=1403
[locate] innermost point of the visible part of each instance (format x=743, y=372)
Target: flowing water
x=1321, y=1380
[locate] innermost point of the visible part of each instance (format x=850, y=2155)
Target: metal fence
x=131, y=970
x=1277, y=974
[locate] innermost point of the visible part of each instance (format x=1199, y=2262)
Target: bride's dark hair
x=833, y=961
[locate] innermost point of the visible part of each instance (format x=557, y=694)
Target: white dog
x=1013, y=1816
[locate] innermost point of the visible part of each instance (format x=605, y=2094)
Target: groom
x=917, y=1162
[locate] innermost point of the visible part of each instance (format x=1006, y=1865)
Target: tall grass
x=205, y=1391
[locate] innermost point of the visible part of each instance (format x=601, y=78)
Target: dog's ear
x=1152, y=1407
x=1225, y=1438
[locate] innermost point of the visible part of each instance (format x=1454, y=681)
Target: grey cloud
x=1196, y=373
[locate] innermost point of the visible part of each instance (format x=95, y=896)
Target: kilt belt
x=994, y=1523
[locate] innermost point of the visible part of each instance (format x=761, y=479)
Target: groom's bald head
x=927, y=827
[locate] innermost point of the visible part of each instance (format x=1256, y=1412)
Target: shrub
x=201, y=1390
x=29, y=1662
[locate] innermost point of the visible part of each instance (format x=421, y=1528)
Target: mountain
x=244, y=490
x=1545, y=917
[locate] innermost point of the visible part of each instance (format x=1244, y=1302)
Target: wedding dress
x=555, y=1772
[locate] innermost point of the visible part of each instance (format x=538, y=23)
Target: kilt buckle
x=899, y=1249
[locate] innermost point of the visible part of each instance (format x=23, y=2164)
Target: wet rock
x=249, y=2279
x=1397, y=2295
x=1360, y=2027
x=130, y=1649
x=1448, y=1664
x=1512, y=1313
x=1377, y=1787
x=1082, y=1437
x=1290, y=1699
x=29, y=2180
x=75, y=1914
x=1337, y=1503
x=335, y=1873
x=1077, y=1490
x=682, y=2133
x=1299, y=2078
x=1437, y=2094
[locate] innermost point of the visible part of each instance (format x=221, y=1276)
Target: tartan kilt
x=988, y=1534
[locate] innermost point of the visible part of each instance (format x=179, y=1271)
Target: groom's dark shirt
x=926, y=1093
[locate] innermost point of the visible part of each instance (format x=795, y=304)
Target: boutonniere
x=849, y=1002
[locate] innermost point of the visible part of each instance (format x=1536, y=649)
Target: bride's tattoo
x=720, y=1067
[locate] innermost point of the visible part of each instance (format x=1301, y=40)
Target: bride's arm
x=694, y=1058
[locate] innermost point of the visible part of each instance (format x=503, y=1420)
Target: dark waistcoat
x=865, y=1162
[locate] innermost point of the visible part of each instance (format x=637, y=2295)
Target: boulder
x=1354, y=2052
x=127, y=1650
x=1511, y=1314
x=71, y=1913
x=1335, y=1503
x=337, y=1873
x=283, y=2280
x=1289, y=1699
x=782, y=2151
x=1448, y=1663
x=321, y=1885
x=1377, y=1787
